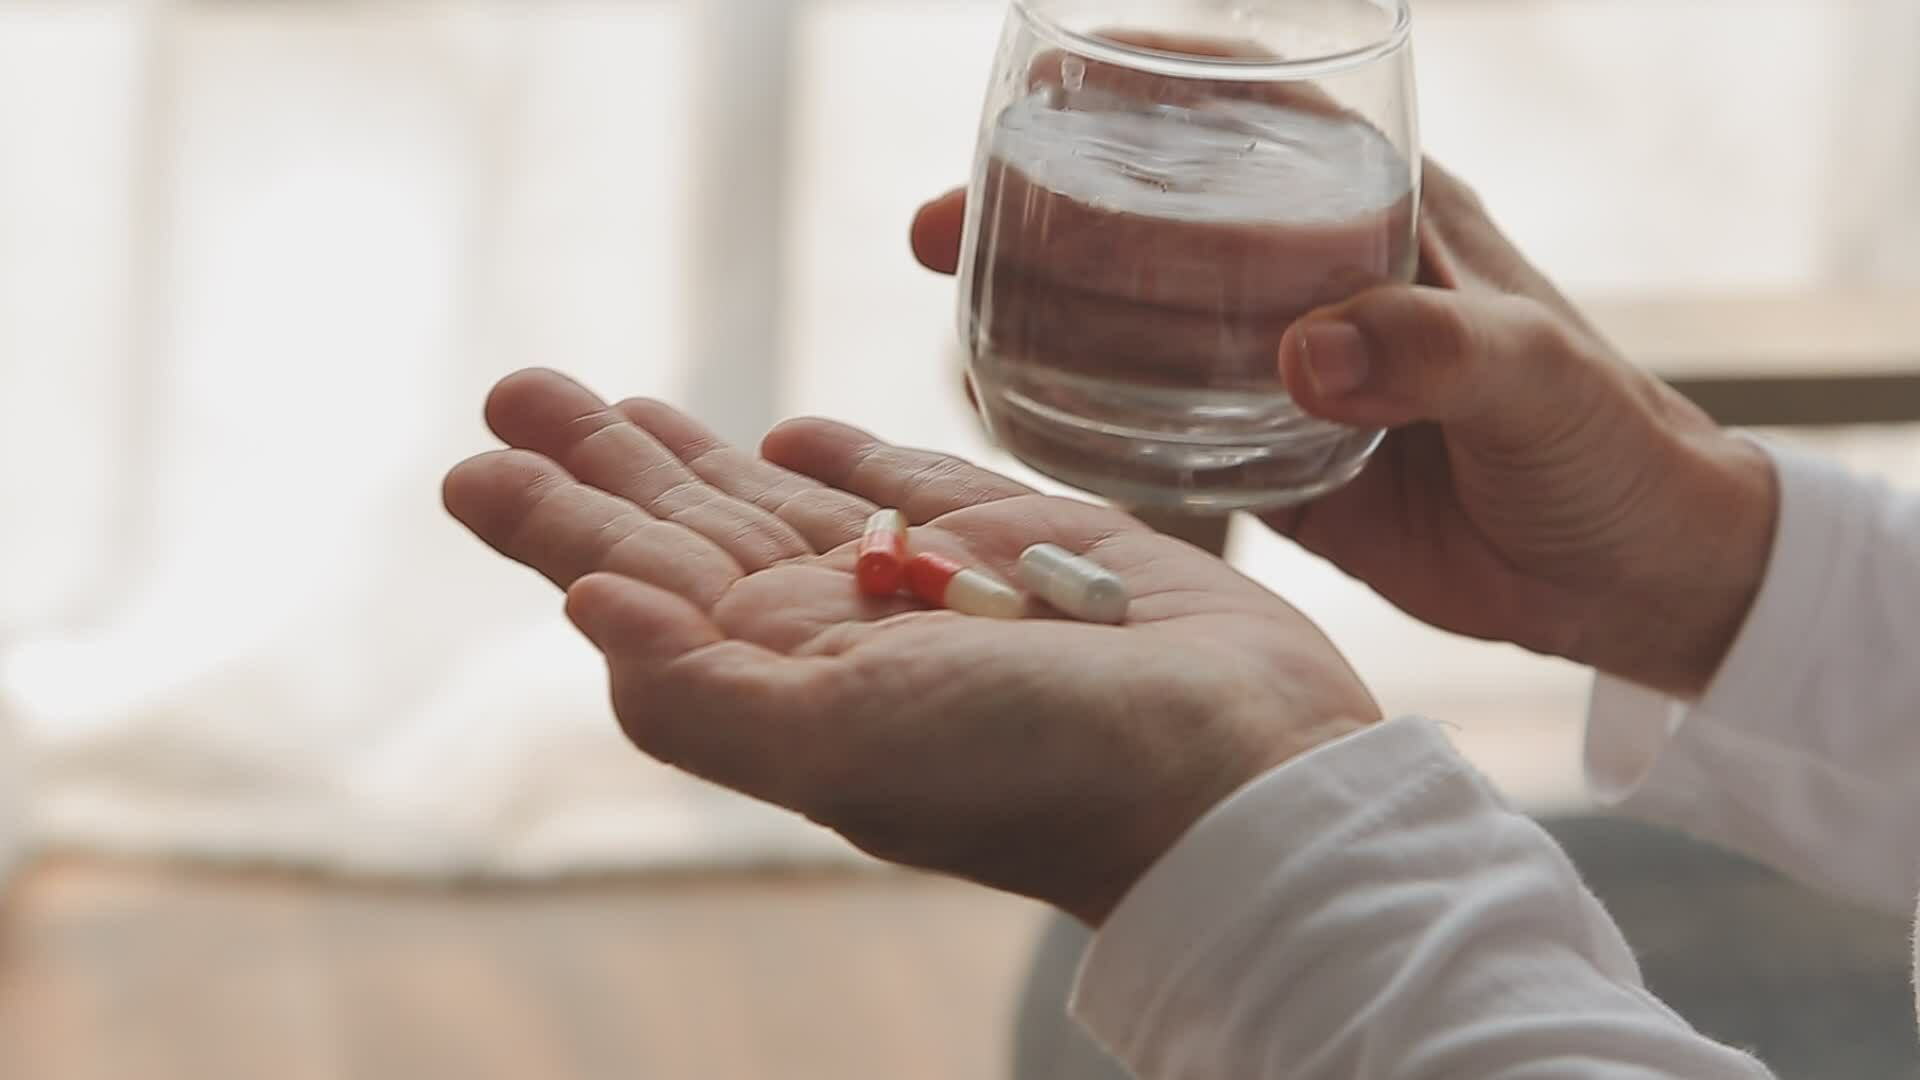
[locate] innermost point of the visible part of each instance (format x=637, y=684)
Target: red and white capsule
x=882, y=568
x=940, y=581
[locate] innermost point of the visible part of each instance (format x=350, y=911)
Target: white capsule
x=1079, y=587
x=971, y=592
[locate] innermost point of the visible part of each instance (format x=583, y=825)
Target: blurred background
x=319, y=787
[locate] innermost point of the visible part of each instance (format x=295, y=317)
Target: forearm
x=1373, y=909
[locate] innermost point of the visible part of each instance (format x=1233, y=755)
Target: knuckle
x=682, y=496
x=703, y=452
x=535, y=491
x=599, y=442
x=952, y=482
x=627, y=548
x=1536, y=330
x=938, y=470
x=1546, y=342
x=919, y=476
x=1443, y=334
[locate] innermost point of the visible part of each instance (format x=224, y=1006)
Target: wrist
x=1707, y=565
x=1259, y=746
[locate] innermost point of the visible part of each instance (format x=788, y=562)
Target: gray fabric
x=1047, y=1044
x=1818, y=989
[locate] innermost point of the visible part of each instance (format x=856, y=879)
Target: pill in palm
x=1079, y=587
x=882, y=567
x=940, y=581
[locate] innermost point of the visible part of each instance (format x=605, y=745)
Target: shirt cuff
x=1791, y=748
x=1231, y=858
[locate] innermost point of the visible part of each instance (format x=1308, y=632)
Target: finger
x=923, y=484
x=637, y=625
x=723, y=709
x=1498, y=370
x=552, y=415
x=936, y=232
x=1462, y=248
x=529, y=509
x=823, y=517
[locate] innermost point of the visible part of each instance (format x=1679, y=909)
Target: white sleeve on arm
x=1374, y=910
x=1805, y=750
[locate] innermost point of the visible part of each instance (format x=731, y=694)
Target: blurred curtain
x=1877, y=153
x=259, y=263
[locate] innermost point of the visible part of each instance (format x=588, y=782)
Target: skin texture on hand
x=1537, y=488
x=1049, y=758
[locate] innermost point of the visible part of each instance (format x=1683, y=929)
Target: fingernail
x=1335, y=356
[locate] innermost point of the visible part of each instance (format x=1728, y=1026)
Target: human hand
x=1053, y=759
x=1537, y=488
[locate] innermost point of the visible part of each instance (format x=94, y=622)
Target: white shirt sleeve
x=1374, y=910
x=1805, y=750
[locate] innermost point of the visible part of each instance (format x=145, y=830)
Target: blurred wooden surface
x=128, y=972
x=1799, y=360
x=1786, y=335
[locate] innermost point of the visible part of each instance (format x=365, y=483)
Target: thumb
x=1498, y=368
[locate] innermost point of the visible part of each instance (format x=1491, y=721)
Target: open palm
x=1047, y=757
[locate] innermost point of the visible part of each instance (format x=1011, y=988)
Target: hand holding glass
x=1162, y=189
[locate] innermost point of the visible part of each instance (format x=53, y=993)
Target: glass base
x=1293, y=459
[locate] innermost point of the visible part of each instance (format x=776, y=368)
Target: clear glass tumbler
x=1162, y=187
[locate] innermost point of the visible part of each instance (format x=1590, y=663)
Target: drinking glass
x=1161, y=188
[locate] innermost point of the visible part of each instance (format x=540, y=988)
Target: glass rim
x=1231, y=68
